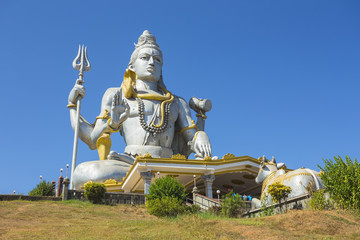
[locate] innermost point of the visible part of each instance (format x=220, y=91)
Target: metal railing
x=204, y=202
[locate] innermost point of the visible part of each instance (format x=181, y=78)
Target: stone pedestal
x=65, y=189
x=147, y=176
x=60, y=186
x=208, y=180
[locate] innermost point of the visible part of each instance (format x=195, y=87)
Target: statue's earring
x=131, y=68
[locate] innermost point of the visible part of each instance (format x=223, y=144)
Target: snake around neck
x=164, y=110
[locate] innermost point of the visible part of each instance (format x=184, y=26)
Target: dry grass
x=79, y=220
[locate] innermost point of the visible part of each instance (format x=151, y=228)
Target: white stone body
x=124, y=113
x=300, y=180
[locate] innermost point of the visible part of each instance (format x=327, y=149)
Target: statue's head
x=145, y=63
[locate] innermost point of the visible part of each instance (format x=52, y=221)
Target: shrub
x=265, y=210
x=166, y=197
x=42, y=189
x=278, y=191
x=167, y=186
x=342, y=180
x=318, y=201
x=232, y=205
x=165, y=207
x=193, y=209
x=215, y=210
x=95, y=192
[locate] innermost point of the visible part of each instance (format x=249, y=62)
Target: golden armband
x=104, y=116
x=189, y=127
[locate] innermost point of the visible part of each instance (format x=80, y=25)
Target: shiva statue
x=148, y=116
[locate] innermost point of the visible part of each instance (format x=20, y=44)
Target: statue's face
x=148, y=64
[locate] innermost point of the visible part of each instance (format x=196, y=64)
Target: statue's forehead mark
x=150, y=51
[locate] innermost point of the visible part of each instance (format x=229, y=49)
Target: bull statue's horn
x=273, y=159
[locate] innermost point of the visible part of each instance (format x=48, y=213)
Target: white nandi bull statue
x=299, y=180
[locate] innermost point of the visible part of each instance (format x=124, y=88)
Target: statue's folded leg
x=121, y=157
x=99, y=171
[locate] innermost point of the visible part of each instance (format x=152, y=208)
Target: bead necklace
x=152, y=128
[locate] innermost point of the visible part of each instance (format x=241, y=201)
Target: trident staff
x=80, y=63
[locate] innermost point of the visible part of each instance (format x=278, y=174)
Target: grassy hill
x=82, y=220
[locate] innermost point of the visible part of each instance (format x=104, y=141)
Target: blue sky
x=283, y=76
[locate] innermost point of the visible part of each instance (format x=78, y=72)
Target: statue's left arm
x=198, y=141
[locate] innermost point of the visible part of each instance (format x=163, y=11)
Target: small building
x=208, y=175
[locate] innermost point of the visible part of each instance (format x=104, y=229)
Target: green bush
x=95, y=192
x=318, y=201
x=193, y=209
x=265, y=210
x=166, y=197
x=215, y=210
x=278, y=191
x=232, y=205
x=167, y=186
x=165, y=207
x=42, y=189
x=342, y=180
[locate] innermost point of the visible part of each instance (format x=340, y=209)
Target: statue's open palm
x=119, y=110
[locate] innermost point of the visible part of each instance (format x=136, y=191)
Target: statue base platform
x=230, y=172
x=99, y=171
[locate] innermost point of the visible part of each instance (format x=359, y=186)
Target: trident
x=80, y=63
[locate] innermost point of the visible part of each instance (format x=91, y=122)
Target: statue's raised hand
x=202, y=146
x=119, y=110
x=77, y=91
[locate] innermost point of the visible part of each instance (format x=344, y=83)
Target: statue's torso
x=133, y=132
x=140, y=141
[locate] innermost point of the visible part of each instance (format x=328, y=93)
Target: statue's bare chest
x=150, y=107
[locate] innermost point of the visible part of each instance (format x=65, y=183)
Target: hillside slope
x=82, y=220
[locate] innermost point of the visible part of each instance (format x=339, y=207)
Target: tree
x=232, y=205
x=95, y=192
x=42, y=189
x=278, y=191
x=167, y=186
x=342, y=180
x=166, y=197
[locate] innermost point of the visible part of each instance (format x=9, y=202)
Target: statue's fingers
x=81, y=93
x=113, y=104
x=207, y=153
x=81, y=90
x=197, y=150
x=203, y=150
x=209, y=150
x=117, y=99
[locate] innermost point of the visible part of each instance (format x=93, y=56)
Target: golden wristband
x=201, y=115
x=112, y=129
x=70, y=105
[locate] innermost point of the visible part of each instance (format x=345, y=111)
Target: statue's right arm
x=85, y=128
x=89, y=133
